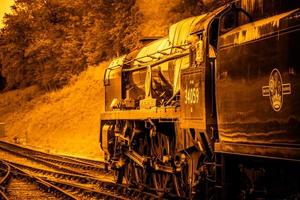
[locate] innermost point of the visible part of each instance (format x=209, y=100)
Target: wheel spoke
x=160, y=147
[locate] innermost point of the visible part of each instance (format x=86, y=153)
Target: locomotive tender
x=211, y=110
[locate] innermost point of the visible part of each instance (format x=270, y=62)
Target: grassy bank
x=64, y=121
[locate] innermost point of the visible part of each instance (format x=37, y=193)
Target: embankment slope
x=64, y=121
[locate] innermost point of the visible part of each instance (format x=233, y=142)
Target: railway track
x=23, y=149
x=70, y=186
x=21, y=188
x=5, y=176
x=16, y=183
x=55, y=162
x=68, y=178
x=18, y=179
x=84, y=160
x=85, y=166
x=60, y=175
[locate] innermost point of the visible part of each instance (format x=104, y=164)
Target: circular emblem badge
x=275, y=88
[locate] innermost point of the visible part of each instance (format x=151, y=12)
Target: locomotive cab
x=198, y=107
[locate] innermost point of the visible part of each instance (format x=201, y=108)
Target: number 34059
x=191, y=95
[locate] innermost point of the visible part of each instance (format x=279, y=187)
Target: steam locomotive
x=212, y=110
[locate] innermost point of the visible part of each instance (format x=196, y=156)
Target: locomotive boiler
x=211, y=110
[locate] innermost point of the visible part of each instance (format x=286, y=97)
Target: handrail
x=172, y=57
x=182, y=47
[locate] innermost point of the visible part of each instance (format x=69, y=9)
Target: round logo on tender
x=275, y=88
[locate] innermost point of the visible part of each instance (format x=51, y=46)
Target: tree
x=46, y=42
x=14, y=39
x=188, y=8
x=97, y=22
x=125, y=33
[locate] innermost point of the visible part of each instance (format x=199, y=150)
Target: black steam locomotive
x=212, y=110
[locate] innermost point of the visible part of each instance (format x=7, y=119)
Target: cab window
x=234, y=18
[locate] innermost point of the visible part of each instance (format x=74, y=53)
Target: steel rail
x=44, y=162
x=55, y=156
x=88, y=191
x=72, y=175
x=73, y=164
x=93, y=163
x=60, y=175
x=62, y=160
x=86, y=161
x=3, y=195
x=4, y=180
x=46, y=186
x=100, y=188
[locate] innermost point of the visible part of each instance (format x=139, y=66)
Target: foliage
x=188, y=8
x=46, y=42
x=126, y=20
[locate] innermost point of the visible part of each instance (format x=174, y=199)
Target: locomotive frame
x=199, y=133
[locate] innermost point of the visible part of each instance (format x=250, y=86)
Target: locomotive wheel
x=129, y=173
x=160, y=147
x=181, y=183
x=140, y=177
x=118, y=175
x=161, y=181
x=134, y=174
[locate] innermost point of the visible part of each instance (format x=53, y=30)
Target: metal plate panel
x=258, y=84
x=192, y=100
